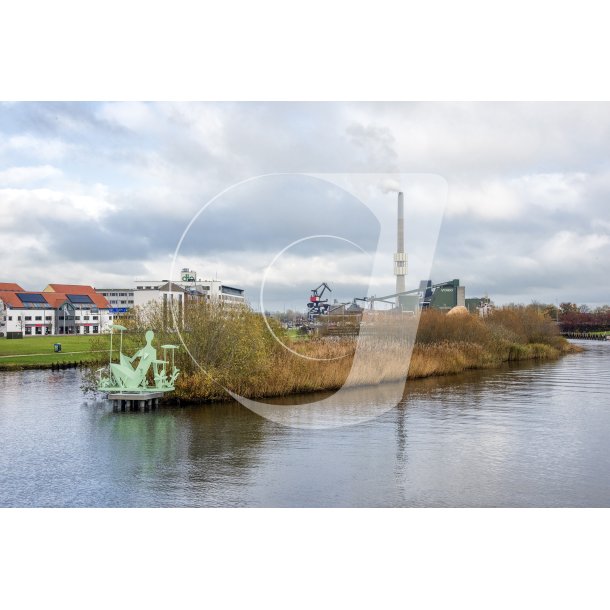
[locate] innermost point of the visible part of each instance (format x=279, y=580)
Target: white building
x=164, y=291
x=60, y=309
x=213, y=290
x=123, y=299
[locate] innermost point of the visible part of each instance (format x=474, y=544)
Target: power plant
x=443, y=296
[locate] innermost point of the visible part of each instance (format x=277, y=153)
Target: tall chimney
x=400, y=258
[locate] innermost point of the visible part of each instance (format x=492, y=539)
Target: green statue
x=124, y=376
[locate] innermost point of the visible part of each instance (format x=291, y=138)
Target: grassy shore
x=233, y=349
x=38, y=352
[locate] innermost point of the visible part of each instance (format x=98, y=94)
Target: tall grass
x=232, y=348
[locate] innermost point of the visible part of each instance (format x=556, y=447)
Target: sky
x=511, y=198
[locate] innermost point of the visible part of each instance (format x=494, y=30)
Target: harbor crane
x=317, y=305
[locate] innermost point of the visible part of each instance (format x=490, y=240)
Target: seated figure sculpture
x=124, y=373
x=126, y=377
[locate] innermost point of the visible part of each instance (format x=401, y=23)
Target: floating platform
x=135, y=401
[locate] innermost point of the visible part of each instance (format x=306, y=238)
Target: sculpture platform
x=134, y=401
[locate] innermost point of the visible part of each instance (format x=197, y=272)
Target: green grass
x=295, y=335
x=38, y=351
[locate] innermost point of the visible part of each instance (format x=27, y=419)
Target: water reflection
x=526, y=435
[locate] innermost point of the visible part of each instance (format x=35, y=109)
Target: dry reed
x=231, y=348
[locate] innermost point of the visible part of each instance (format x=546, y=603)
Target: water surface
x=528, y=435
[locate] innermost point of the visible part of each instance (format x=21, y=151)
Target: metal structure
x=443, y=296
x=125, y=378
x=318, y=306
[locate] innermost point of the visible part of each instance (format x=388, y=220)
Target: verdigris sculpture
x=129, y=376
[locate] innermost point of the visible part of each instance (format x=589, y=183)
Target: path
x=96, y=351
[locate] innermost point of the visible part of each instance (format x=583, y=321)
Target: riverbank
x=38, y=352
x=244, y=360
x=233, y=349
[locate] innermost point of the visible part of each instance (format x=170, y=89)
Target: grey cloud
x=162, y=167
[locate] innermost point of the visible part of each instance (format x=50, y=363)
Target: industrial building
x=443, y=296
x=60, y=309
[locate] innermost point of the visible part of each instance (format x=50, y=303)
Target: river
x=531, y=435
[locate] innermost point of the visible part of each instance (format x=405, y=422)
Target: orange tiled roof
x=70, y=289
x=10, y=287
x=10, y=298
x=54, y=299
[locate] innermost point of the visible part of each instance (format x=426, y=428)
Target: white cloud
x=135, y=116
x=46, y=149
x=487, y=200
x=14, y=176
x=571, y=249
x=44, y=203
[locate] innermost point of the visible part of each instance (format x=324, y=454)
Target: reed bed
x=231, y=349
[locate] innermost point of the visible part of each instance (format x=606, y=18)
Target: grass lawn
x=39, y=350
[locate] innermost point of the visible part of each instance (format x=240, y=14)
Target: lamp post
x=121, y=329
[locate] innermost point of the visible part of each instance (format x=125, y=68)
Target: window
x=123, y=302
x=19, y=317
x=130, y=294
x=78, y=317
x=28, y=330
x=95, y=329
x=96, y=317
x=85, y=317
x=38, y=318
x=28, y=317
x=47, y=330
x=86, y=330
x=47, y=317
x=38, y=330
x=10, y=318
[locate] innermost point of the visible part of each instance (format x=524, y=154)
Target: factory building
x=443, y=296
x=60, y=309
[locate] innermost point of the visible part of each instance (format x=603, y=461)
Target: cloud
x=27, y=175
x=46, y=149
x=104, y=191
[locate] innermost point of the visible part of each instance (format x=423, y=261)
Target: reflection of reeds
x=234, y=349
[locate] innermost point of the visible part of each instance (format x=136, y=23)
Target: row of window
x=47, y=331
x=115, y=302
x=39, y=318
x=117, y=294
